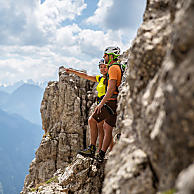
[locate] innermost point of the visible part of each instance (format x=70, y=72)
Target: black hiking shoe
x=89, y=152
x=100, y=156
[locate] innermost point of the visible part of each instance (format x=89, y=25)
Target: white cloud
x=39, y=64
x=76, y=48
x=36, y=40
x=53, y=12
x=67, y=35
x=117, y=15
x=31, y=23
x=93, y=42
x=119, y=19
x=86, y=43
x=17, y=22
x=23, y=63
x=100, y=13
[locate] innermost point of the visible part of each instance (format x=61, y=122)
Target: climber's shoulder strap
x=122, y=67
x=100, y=78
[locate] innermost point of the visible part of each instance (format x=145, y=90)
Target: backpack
x=122, y=67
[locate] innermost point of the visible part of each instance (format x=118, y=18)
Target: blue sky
x=38, y=36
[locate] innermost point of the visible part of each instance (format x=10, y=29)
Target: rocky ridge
x=155, y=116
x=64, y=111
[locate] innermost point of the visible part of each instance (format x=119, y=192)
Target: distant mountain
x=25, y=101
x=18, y=141
x=11, y=88
x=3, y=97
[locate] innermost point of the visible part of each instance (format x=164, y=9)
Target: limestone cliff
x=64, y=110
x=155, y=116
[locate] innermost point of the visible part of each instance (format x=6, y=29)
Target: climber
x=106, y=109
x=101, y=92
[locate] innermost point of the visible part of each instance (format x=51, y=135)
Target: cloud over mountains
x=39, y=36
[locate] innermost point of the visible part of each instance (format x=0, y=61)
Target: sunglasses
x=105, y=55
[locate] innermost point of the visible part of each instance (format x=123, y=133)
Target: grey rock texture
x=156, y=107
x=184, y=183
x=84, y=175
x=64, y=111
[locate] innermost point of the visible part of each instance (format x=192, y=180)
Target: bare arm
x=82, y=75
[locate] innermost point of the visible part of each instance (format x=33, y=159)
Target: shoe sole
x=86, y=155
x=91, y=156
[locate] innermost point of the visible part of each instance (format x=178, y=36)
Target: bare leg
x=93, y=130
x=101, y=134
x=108, y=136
x=111, y=145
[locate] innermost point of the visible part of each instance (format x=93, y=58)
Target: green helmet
x=112, y=51
x=115, y=51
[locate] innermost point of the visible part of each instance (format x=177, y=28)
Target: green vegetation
x=36, y=188
x=171, y=191
x=53, y=179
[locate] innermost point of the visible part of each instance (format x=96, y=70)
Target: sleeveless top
x=101, y=88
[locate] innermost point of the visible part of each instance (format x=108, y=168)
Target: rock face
x=155, y=116
x=157, y=103
x=84, y=175
x=64, y=110
x=184, y=183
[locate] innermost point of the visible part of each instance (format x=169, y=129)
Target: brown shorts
x=106, y=113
